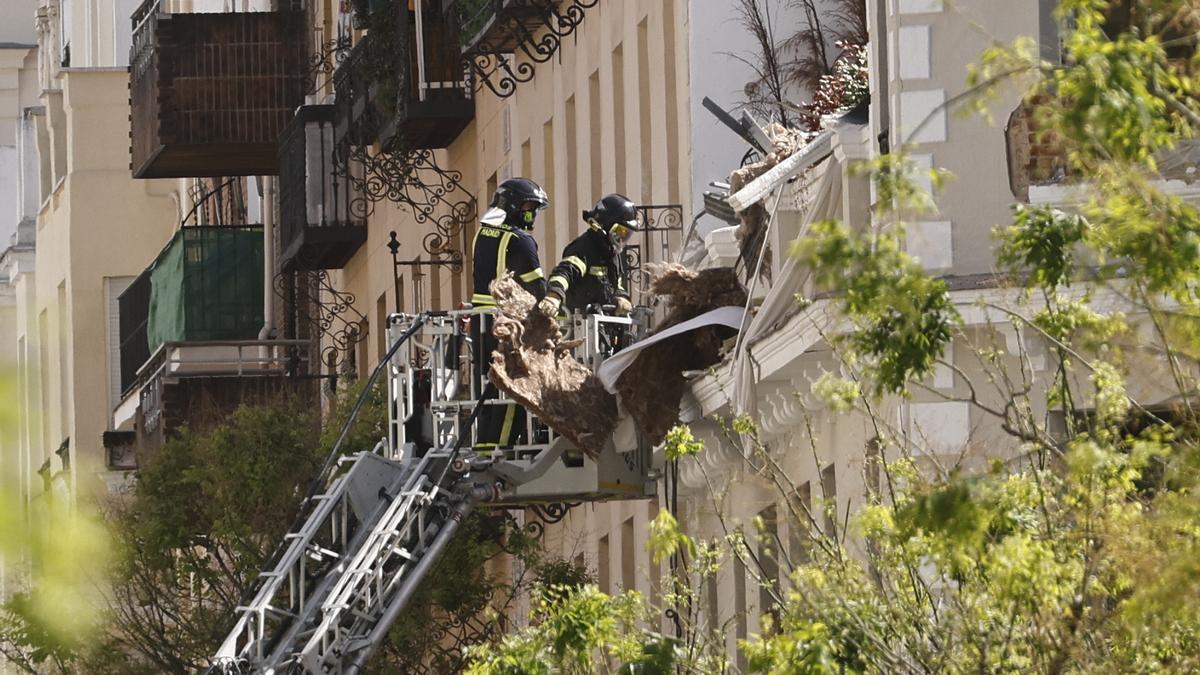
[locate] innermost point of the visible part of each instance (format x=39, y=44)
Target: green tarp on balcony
x=207, y=284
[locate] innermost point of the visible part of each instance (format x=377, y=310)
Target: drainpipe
x=268, y=223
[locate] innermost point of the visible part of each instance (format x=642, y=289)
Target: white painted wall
x=18, y=91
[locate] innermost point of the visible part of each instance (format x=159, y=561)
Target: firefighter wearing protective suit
x=592, y=271
x=504, y=244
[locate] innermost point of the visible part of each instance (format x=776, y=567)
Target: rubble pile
x=752, y=221
x=652, y=387
x=534, y=365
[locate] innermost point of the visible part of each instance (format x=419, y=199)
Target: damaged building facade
x=359, y=204
x=916, y=60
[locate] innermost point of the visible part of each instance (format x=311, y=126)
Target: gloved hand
x=549, y=305
x=624, y=306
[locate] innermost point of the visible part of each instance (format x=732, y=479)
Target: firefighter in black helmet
x=503, y=244
x=592, y=271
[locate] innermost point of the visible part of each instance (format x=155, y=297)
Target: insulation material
x=653, y=385
x=610, y=371
x=534, y=365
x=752, y=221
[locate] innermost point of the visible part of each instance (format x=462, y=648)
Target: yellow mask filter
x=620, y=233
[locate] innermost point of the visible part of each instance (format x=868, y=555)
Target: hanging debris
x=652, y=387
x=752, y=221
x=534, y=365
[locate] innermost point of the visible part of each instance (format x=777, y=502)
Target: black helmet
x=510, y=200
x=614, y=210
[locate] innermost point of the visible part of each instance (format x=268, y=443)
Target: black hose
x=353, y=416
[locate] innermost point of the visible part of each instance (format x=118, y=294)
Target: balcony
x=322, y=213
x=206, y=284
x=190, y=351
x=210, y=92
x=499, y=32
x=501, y=26
x=404, y=85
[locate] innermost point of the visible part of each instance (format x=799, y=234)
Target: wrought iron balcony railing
x=323, y=213
x=505, y=39
x=210, y=92
x=404, y=85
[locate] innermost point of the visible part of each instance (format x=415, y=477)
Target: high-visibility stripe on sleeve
x=502, y=255
x=535, y=274
x=482, y=299
x=560, y=281
x=577, y=262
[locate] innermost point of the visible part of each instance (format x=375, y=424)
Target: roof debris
x=753, y=218
x=653, y=385
x=533, y=364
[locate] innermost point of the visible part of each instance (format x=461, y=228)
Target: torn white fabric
x=611, y=369
x=793, y=279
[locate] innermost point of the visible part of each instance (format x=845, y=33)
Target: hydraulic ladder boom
x=347, y=570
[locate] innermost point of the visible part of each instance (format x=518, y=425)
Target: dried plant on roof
x=805, y=60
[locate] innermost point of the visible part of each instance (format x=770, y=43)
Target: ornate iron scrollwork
x=552, y=513
x=533, y=28
x=411, y=177
x=323, y=63
x=414, y=179
x=655, y=223
x=325, y=312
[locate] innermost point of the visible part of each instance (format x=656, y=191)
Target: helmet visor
x=620, y=233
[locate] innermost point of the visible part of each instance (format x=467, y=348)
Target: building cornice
x=15, y=262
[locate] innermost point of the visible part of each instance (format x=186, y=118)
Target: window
x=644, y=112
x=548, y=221
x=829, y=495
x=65, y=27
x=618, y=103
x=572, y=171
x=381, y=314
x=652, y=569
x=739, y=607
x=768, y=555
x=65, y=395
x=628, y=556
x=798, y=532
x=122, y=30
x=113, y=288
x=596, y=157
x=602, y=575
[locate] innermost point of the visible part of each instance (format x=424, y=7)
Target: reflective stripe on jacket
x=498, y=249
x=591, y=272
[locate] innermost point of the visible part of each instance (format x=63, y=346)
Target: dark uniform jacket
x=499, y=249
x=591, y=272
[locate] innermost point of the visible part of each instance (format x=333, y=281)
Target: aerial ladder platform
x=375, y=526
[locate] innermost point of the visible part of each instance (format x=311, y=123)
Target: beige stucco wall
x=97, y=223
x=611, y=112
x=574, y=90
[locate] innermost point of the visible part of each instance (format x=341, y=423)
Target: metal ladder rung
x=319, y=552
